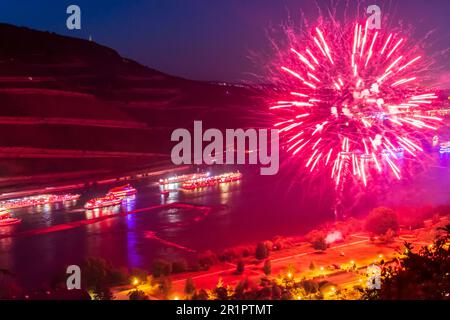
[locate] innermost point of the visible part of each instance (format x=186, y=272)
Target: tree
x=207, y=259
x=189, y=287
x=261, y=251
x=137, y=295
x=317, y=240
x=312, y=267
x=240, y=266
x=320, y=244
x=267, y=268
x=102, y=292
x=161, y=267
x=380, y=220
x=164, y=286
x=421, y=275
x=240, y=289
x=201, y=295
x=276, y=292
x=99, y=276
x=179, y=266
x=389, y=236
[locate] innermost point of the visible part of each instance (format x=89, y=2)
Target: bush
x=317, y=240
x=240, y=267
x=164, y=286
x=207, y=259
x=388, y=236
x=380, y=220
x=267, y=268
x=320, y=244
x=189, y=287
x=200, y=295
x=261, y=251
x=240, y=289
x=99, y=274
x=310, y=286
x=161, y=267
x=137, y=295
x=276, y=292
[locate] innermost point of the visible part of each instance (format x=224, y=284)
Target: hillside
x=69, y=104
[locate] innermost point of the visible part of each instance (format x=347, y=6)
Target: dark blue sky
x=200, y=39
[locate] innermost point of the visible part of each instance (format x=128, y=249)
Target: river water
x=255, y=208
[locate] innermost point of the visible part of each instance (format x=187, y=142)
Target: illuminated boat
x=6, y=219
x=37, y=200
x=183, y=178
x=123, y=191
x=107, y=201
x=211, y=181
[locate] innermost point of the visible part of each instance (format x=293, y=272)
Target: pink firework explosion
x=353, y=102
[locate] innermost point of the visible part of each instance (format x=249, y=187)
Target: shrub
x=179, y=266
x=200, y=295
x=99, y=274
x=137, y=295
x=261, y=251
x=164, y=286
x=388, y=236
x=161, y=267
x=380, y=220
x=207, y=259
x=189, y=287
x=240, y=267
x=267, y=268
x=276, y=292
x=317, y=240
x=310, y=286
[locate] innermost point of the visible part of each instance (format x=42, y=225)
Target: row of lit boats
x=39, y=200
x=211, y=181
x=114, y=196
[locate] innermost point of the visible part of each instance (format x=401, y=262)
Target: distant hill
x=69, y=104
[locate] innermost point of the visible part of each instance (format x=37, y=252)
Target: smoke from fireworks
x=353, y=102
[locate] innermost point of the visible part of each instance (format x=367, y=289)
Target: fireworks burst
x=353, y=102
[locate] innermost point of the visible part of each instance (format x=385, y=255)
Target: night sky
x=204, y=39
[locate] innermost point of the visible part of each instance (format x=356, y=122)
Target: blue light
x=443, y=150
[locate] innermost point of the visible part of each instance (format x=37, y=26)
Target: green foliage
x=267, y=268
x=240, y=267
x=164, y=286
x=422, y=275
x=200, y=295
x=207, y=259
x=317, y=240
x=99, y=275
x=189, y=287
x=179, y=266
x=161, y=267
x=137, y=295
x=102, y=293
x=380, y=220
x=261, y=251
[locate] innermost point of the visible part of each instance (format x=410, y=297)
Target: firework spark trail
x=357, y=92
